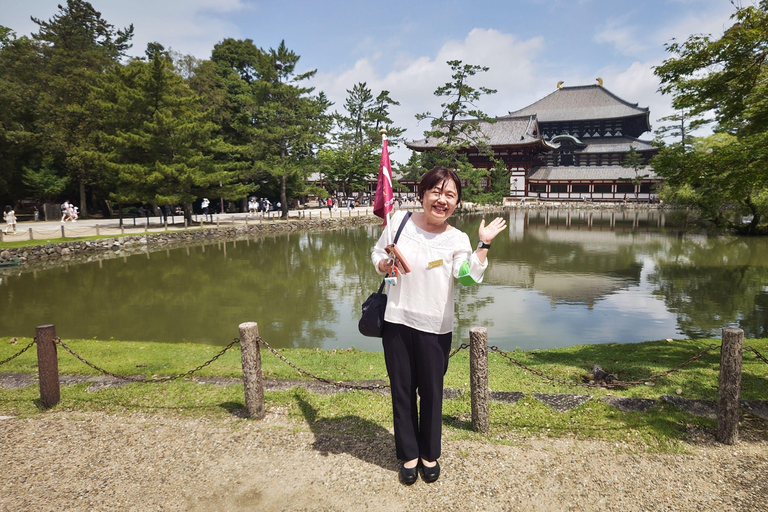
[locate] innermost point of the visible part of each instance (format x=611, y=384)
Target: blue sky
x=403, y=46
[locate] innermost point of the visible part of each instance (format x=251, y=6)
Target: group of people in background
x=68, y=212
x=256, y=205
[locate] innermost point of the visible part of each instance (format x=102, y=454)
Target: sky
x=403, y=47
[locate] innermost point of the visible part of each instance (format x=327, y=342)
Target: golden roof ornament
x=599, y=82
x=560, y=84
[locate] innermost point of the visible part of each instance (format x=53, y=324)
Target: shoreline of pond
x=48, y=255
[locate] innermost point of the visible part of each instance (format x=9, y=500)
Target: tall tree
x=457, y=126
x=290, y=122
x=163, y=146
x=725, y=79
x=354, y=161
x=19, y=90
x=77, y=46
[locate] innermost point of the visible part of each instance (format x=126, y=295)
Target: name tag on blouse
x=435, y=264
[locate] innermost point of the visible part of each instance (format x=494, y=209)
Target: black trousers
x=416, y=361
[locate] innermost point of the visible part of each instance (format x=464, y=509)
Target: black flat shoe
x=431, y=474
x=409, y=475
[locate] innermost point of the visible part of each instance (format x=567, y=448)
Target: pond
x=556, y=278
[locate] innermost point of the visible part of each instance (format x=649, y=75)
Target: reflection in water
x=557, y=278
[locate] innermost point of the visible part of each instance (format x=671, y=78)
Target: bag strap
x=397, y=235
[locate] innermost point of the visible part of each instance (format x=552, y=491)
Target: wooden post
x=252, y=377
x=729, y=389
x=97, y=230
x=122, y=230
x=30, y=234
x=478, y=377
x=62, y=231
x=47, y=365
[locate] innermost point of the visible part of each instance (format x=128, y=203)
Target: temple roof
x=616, y=145
x=581, y=103
x=588, y=173
x=506, y=131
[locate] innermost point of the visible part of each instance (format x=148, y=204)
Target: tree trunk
x=83, y=203
x=283, y=197
x=188, y=213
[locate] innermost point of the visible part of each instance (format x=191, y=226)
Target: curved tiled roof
x=616, y=145
x=581, y=103
x=506, y=131
x=588, y=173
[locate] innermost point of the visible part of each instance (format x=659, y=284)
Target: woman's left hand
x=489, y=232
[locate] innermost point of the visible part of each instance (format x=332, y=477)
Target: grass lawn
x=662, y=428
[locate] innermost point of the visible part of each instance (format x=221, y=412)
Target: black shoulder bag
x=372, y=320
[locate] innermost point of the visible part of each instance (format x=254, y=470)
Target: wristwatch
x=483, y=245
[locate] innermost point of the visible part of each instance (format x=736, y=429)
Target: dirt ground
x=150, y=462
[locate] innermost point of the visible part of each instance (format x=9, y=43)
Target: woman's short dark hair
x=436, y=177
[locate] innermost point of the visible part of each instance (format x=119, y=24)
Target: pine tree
x=77, y=47
x=163, y=148
x=290, y=124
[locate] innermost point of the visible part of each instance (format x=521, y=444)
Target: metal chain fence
x=136, y=378
x=346, y=385
x=613, y=384
x=341, y=384
x=17, y=354
x=758, y=354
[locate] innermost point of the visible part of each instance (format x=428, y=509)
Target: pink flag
x=384, y=199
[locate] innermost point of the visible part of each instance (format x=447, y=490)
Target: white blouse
x=423, y=298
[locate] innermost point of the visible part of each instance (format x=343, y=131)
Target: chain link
x=751, y=349
x=133, y=378
x=371, y=387
x=17, y=354
x=617, y=384
x=461, y=347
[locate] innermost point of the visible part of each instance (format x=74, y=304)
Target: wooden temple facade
x=569, y=145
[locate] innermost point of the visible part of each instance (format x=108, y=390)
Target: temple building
x=568, y=146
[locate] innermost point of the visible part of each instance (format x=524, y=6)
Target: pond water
x=556, y=279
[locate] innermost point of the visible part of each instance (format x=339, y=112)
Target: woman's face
x=440, y=202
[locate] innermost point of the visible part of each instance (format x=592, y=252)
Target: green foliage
x=458, y=127
x=160, y=144
x=45, y=182
x=290, y=123
x=722, y=175
x=77, y=47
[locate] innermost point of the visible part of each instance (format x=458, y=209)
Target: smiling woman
x=418, y=324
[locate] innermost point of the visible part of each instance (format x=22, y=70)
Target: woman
x=419, y=316
x=10, y=220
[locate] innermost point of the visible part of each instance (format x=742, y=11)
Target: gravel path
x=146, y=462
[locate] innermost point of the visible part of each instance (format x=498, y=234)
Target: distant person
x=204, y=205
x=10, y=220
x=73, y=213
x=64, y=211
x=37, y=213
x=253, y=206
x=329, y=202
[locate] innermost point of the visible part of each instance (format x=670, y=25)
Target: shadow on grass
x=361, y=438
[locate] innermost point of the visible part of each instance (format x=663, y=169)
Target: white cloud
x=623, y=37
x=513, y=72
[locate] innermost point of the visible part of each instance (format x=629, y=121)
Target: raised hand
x=489, y=232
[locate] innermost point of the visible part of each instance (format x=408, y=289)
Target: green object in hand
x=464, y=277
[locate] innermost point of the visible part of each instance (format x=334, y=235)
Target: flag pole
x=383, y=132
